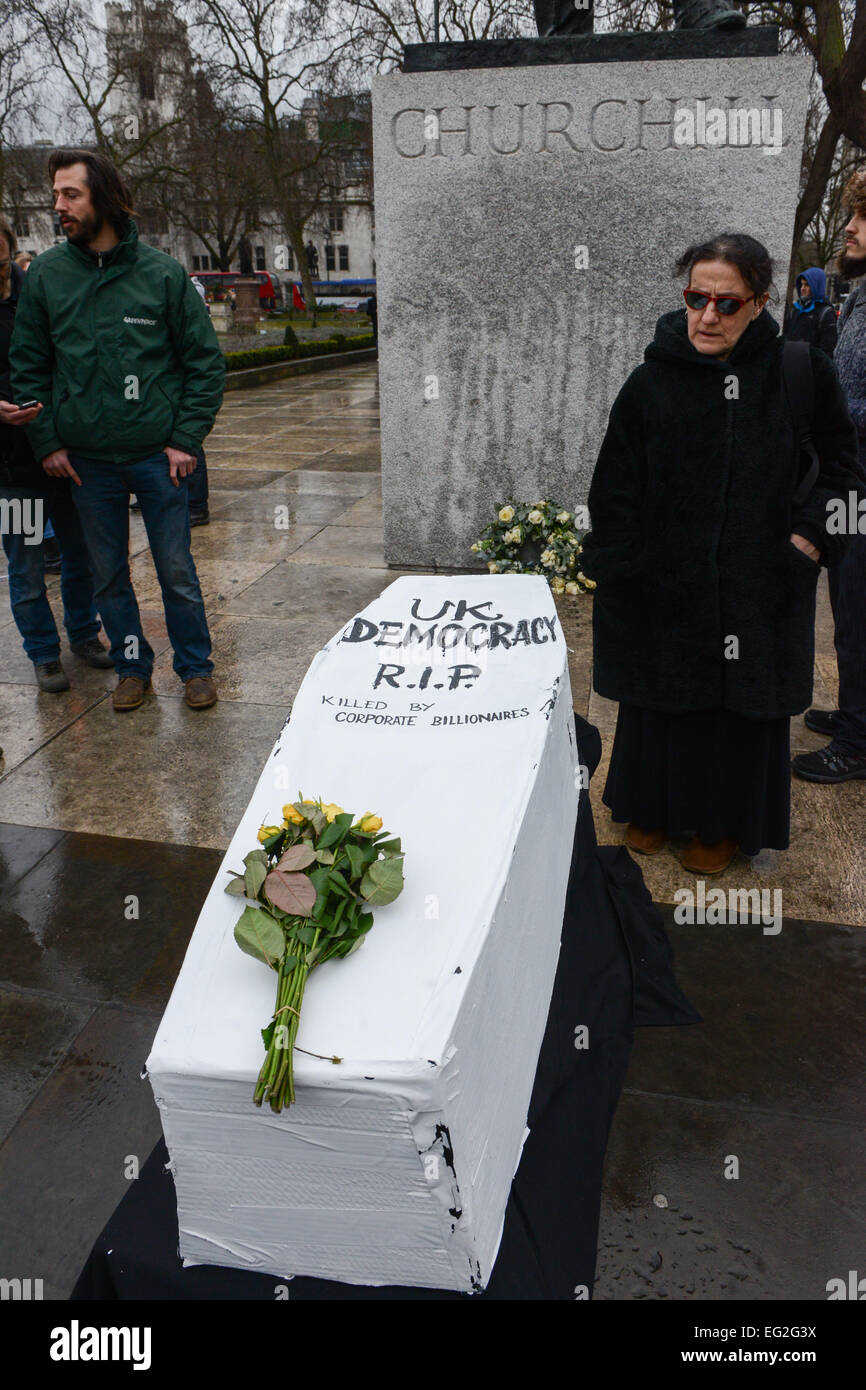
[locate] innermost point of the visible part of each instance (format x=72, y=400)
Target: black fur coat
x=702, y=601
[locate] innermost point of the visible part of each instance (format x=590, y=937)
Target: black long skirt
x=710, y=773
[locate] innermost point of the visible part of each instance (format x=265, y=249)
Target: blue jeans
x=197, y=484
x=103, y=505
x=847, y=582
x=30, y=607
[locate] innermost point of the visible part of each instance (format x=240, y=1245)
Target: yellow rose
x=548, y=558
x=492, y=567
x=557, y=585
x=563, y=516
x=535, y=516
x=331, y=810
x=506, y=514
x=292, y=816
x=370, y=823
x=267, y=832
x=475, y=547
x=571, y=587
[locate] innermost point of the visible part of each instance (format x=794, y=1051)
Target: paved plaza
x=96, y=806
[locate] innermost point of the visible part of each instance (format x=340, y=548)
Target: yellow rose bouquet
x=310, y=886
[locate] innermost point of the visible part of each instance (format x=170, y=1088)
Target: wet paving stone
x=104, y=918
x=35, y=1034
x=64, y=1166
x=22, y=846
x=784, y=1028
x=781, y=1229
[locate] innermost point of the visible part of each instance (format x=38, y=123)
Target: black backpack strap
x=800, y=390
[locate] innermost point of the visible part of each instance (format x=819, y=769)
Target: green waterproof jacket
x=119, y=348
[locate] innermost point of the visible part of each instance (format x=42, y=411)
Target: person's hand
x=58, y=466
x=12, y=414
x=807, y=547
x=180, y=465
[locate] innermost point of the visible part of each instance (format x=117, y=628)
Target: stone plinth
x=222, y=317
x=753, y=41
x=528, y=220
x=247, y=304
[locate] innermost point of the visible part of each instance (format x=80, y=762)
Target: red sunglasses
x=726, y=304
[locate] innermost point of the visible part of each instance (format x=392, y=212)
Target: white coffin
x=395, y=1166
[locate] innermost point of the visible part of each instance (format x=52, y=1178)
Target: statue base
x=527, y=222
x=762, y=41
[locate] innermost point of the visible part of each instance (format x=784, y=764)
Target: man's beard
x=86, y=229
x=851, y=267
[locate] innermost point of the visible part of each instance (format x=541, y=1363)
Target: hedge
x=263, y=356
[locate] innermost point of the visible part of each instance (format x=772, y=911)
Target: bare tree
x=270, y=55
x=19, y=80
x=203, y=172
x=833, y=34
x=381, y=28
x=99, y=77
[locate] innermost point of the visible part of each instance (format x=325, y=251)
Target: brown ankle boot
x=708, y=859
x=644, y=841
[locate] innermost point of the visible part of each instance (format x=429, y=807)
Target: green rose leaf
x=237, y=887
x=259, y=936
x=390, y=847
x=254, y=876
x=336, y=831
x=325, y=856
x=383, y=881
x=356, y=860
x=268, y=1034
x=330, y=835
x=292, y=893
x=319, y=879
x=297, y=857
x=338, y=883
x=306, y=935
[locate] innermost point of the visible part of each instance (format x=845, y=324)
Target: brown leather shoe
x=644, y=841
x=708, y=859
x=200, y=692
x=129, y=692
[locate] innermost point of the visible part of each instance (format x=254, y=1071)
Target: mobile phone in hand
x=26, y=405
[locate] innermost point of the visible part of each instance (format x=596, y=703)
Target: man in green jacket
x=112, y=338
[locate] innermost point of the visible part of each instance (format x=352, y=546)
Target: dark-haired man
x=113, y=339
x=844, y=757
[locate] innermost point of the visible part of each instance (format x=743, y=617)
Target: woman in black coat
x=706, y=573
